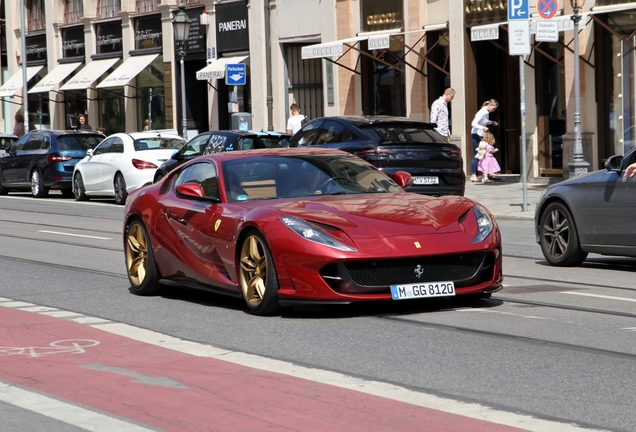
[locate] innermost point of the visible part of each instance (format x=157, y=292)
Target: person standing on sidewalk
x=439, y=113
x=479, y=127
x=295, y=122
x=488, y=165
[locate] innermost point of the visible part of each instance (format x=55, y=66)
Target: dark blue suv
x=43, y=160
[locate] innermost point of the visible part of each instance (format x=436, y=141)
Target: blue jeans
x=473, y=166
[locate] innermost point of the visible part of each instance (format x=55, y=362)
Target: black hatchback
x=44, y=159
x=392, y=144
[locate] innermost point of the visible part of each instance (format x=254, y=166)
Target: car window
x=331, y=132
x=203, y=174
x=217, y=144
x=78, y=142
x=6, y=143
x=405, y=133
x=104, y=147
x=158, y=143
x=33, y=144
x=46, y=142
x=306, y=135
x=248, y=143
x=195, y=146
x=117, y=146
x=270, y=141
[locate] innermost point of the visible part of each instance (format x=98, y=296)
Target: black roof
x=366, y=120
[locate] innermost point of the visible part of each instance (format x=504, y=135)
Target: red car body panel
x=199, y=241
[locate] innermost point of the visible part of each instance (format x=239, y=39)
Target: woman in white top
x=479, y=127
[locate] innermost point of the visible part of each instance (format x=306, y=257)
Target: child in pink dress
x=488, y=165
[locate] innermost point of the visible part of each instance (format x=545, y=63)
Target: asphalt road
x=555, y=344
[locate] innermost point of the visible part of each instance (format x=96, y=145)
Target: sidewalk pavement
x=505, y=200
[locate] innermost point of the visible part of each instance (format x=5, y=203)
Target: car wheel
x=558, y=237
x=67, y=192
x=37, y=188
x=140, y=261
x=78, y=188
x=258, y=280
x=120, y=189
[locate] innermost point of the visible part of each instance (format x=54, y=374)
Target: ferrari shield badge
x=217, y=224
x=417, y=245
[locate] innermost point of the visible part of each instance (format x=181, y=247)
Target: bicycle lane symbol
x=65, y=346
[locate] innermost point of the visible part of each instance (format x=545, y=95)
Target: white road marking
x=335, y=379
x=502, y=313
x=633, y=300
x=63, y=411
x=75, y=235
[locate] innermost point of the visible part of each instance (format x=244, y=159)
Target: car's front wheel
x=140, y=261
x=37, y=187
x=258, y=280
x=78, y=187
x=558, y=237
x=120, y=189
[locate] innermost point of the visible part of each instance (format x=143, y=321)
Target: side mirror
x=194, y=191
x=614, y=163
x=403, y=179
x=89, y=152
x=283, y=143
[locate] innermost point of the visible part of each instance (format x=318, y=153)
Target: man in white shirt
x=439, y=113
x=295, y=122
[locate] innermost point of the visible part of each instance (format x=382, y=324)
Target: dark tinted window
x=195, y=146
x=404, y=133
x=219, y=143
x=46, y=142
x=270, y=141
x=78, y=142
x=33, y=144
x=306, y=135
x=6, y=143
x=331, y=132
x=158, y=143
x=117, y=146
x=203, y=174
x=104, y=147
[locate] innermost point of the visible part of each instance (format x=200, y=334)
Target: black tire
x=67, y=192
x=38, y=190
x=558, y=237
x=120, y=189
x=3, y=190
x=78, y=188
x=257, y=276
x=140, y=261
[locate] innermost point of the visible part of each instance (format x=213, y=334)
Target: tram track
x=64, y=267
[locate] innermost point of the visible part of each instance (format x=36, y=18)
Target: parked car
x=591, y=213
x=6, y=142
x=392, y=144
x=122, y=163
x=307, y=226
x=44, y=159
x=220, y=141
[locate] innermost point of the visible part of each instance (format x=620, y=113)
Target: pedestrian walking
x=487, y=164
x=295, y=122
x=439, y=113
x=479, y=127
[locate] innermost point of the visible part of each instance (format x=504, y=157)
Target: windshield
x=7, y=142
x=267, y=177
x=158, y=143
x=404, y=133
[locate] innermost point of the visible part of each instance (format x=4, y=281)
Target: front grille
x=403, y=271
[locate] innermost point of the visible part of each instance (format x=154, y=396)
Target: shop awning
x=216, y=69
x=14, y=84
x=91, y=73
x=127, y=71
x=54, y=77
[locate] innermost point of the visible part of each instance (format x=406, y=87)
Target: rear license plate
x=432, y=289
x=424, y=180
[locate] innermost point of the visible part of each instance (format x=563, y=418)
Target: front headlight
x=484, y=224
x=311, y=233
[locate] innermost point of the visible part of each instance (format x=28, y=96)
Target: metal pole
x=184, y=122
x=25, y=95
x=578, y=165
x=268, y=60
x=524, y=174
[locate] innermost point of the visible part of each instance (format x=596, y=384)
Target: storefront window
x=383, y=83
x=39, y=108
x=75, y=105
x=112, y=111
x=151, y=99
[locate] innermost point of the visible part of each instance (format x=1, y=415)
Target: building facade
x=115, y=60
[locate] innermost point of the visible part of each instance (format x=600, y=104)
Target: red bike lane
x=173, y=391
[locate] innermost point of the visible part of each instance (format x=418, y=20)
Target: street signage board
x=547, y=8
x=547, y=31
x=519, y=37
x=235, y=74
x=518, y=10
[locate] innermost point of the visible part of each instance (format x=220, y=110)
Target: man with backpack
x=296, y=121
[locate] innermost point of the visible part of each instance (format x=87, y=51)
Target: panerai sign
x=232, y=32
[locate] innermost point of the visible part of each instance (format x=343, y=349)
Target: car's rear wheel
x=37, y=188
x=258, y=280
x=78, y=187
x=120, y=189
x=140, y=261
x=558, y=237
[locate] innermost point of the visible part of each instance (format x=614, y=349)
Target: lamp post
x=578, y=166
x=181, y=24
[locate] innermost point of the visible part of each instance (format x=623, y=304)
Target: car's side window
x=195, y=146
x=46, y=143
x=216, y=144
x=34, y=144
x=331, y=132
x=117, y=146
x=204, y=174
x=103, y=147
x=306, y=136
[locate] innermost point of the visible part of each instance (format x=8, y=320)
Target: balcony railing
x=146, y=6
x=36, y=24
x=109, y=11
x=73, y=17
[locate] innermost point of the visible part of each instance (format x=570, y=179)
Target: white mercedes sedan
x=122, y=163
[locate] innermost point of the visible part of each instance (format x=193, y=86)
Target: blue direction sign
x=235, y=74
x=518, y=10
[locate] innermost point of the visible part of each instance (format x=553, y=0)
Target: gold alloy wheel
x=136, y=254
x=253, y=270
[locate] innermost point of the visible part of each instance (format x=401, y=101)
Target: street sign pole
x=524, y=175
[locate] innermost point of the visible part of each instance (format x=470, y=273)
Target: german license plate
x=424, y=180
x=425, y=290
